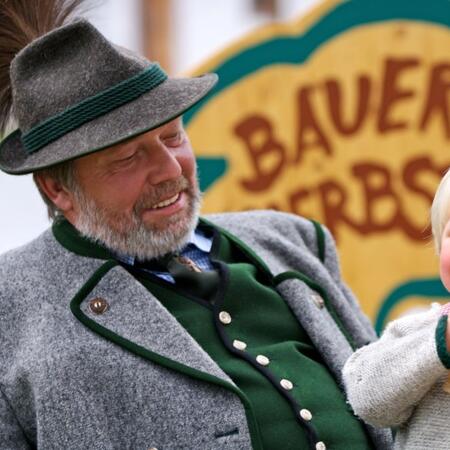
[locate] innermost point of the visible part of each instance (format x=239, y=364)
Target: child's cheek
x=445, y=263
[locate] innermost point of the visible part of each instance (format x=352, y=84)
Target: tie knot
x=186, y=274
x=185, y=261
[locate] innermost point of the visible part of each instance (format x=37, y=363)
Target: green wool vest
x=251, y=333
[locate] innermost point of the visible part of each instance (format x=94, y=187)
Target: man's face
x=141, y=197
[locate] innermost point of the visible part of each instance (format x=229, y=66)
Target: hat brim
x=162, y=104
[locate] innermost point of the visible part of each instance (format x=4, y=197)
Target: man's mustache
x=161, y=192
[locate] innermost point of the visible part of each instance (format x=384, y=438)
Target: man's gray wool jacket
x=66, y=384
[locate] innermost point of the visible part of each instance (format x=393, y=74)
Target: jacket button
x=239, y=345
x=286, y=384
x=318, y=300
x=98, y=305
x=305, y=414
x=225, y=317
x=263, y=360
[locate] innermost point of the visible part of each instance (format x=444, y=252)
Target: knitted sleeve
x=11, y=435
x=386, y=379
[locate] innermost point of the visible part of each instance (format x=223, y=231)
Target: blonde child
x=400, y=381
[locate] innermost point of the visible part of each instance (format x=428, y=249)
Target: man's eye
x=125, y=159
x=174, y=140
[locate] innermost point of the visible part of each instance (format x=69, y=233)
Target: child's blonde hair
x=440, y=210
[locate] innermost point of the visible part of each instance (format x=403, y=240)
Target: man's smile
x=166, y=208
x=167, y=202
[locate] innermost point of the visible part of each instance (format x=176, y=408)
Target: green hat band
x=56, y=126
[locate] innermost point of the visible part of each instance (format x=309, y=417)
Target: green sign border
x=427, y=287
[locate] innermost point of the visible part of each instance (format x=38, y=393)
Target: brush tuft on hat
x=21, y=22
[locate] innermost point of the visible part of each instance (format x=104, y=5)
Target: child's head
x=440, y=215
x=440, y=211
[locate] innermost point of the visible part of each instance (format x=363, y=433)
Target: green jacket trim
x=320, y=236
x=71, y=239
x=75, y=306
x=316, y=287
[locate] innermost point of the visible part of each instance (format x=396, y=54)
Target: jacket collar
x=71, y=239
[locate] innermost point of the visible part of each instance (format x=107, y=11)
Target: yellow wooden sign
x=342, y=116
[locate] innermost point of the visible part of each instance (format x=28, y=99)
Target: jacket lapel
x=128, y=315
x=318, y=323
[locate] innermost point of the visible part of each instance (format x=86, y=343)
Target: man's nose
x=163, y=165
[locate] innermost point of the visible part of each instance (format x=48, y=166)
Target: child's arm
x=386, y=379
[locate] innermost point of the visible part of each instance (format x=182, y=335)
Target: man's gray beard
x=130, y=236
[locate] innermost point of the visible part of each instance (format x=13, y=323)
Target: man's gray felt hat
x=75, y=93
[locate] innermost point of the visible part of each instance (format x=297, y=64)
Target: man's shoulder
x=41, y=260
x=262, y=218
x=20, y=271
x=14, y=259
x=272, y=231
x=266, y=222
x=23, y=268
x=41, y=272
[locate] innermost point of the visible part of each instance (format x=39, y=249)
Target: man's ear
x=56, y=192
